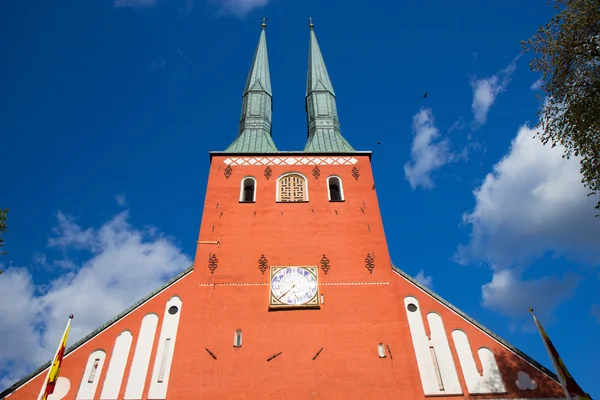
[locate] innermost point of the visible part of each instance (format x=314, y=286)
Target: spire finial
x=263, y=22
x=531, y=309
x=310, y=23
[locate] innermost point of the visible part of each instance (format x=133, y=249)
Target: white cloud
x=135, y=3
x=120, y=199
x=537, y=85
x=240, y=8
x=531, y=204
x=486, y=90
x=512, y=296
x=123, y=264
x=428, y=152
x=424, y=280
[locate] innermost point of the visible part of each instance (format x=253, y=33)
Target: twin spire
x=254, y=135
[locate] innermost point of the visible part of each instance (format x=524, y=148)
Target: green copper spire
x=254, y=135
x=324, y=133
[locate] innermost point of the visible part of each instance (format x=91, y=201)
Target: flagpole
x=54, y=358
x=560, y=378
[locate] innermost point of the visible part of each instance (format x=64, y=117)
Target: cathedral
x=292, y=293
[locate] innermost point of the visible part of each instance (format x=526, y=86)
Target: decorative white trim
x=442, y=380
x=242, y=189
x=141, y=358
x=488, y=382
x=320, y=284
x=342, y=198
x=482, y=331
x=63, y=385
x=164, y=353
x=91, y=375
x=116, y=366
x=524, y=381
x=290, y=161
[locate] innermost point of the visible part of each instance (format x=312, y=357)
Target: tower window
x=237, y=338
x=291, y=188
x=248, y=190
x=381, y=350
x=334, y=187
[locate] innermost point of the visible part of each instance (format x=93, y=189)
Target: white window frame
x=278, y=193
x=342, y=198
x=242, y=189
x=237, y=333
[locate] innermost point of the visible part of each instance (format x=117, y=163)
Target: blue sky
x=108, y=110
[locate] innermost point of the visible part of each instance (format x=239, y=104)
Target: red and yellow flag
x=567, y=381
x=52, y=376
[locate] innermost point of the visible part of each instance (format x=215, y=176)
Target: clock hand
x=279, y=298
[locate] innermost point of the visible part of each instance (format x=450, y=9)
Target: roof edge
x=291, y=153
x=477, y=324
x=96, y=332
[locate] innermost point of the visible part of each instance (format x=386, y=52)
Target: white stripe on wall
x=141, y=358
x=116, y=367
x=166, y=347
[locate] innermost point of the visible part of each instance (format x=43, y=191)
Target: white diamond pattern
x=291, y=161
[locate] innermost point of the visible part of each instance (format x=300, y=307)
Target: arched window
x=248, y=190
x=292, y=187
x=334, y=188
x=237, y=338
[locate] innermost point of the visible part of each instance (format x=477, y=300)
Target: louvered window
x=292, y=188
x=163, y=362
x=436, y=367
x=93, y=371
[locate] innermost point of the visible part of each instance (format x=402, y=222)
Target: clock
x=294, y=287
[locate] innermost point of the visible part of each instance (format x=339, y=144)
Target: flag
x=568, y=383
x=52, y=376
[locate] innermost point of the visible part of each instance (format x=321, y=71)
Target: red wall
x=357, y=315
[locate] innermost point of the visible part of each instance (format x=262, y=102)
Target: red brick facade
x=359, y=310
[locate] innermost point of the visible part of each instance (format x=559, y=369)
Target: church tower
x=292, y=293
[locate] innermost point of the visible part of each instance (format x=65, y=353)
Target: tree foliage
x=567, y=53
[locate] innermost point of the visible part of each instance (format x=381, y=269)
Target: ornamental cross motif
x=355, y=173
x=262, y=264
x=212, y=262
x=325, y=264
x=268, y=172
x=228, y=172
x=316, y=172
x=369, y=263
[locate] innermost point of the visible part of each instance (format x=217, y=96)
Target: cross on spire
x=263, y=22
x=310, y=23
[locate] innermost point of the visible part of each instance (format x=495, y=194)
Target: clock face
x=294, y=286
